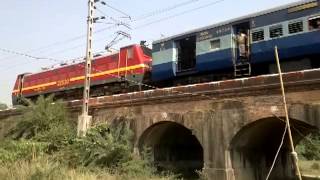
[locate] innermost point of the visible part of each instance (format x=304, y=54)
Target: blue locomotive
x=242, y=46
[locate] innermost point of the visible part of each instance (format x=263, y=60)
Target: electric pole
x=84, y=119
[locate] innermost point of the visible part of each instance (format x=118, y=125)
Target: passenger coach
x=294, y=28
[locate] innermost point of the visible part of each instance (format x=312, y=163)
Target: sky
x=56, y=30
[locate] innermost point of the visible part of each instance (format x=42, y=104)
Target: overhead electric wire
x=163, y=10
x=25, y=55
x=118, y=10
x=107, y=16
x=6, y=68
x=50, y=45
x=41, y=49
x=179, y=14
x=60, y=51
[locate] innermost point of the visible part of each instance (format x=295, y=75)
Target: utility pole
x=84, y=119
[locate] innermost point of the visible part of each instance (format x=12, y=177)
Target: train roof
x=260, y=13
x=77, y=62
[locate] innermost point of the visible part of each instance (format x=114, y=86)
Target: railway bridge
x=231, y=129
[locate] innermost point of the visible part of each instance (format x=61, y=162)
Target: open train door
x=186, y=56
x=241, y=50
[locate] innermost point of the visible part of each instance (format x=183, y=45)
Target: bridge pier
x=225, y=172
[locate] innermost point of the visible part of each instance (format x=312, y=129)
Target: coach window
x=314, y=23
x=129, y=53
x=258, y=35
x=276, y=31
x=295, y=27
x=215, y=44
x=162, y=47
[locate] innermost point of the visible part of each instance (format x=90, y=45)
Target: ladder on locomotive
x=242, y=65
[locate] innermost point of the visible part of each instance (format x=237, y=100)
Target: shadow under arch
x=173, y=148
x=253, y=148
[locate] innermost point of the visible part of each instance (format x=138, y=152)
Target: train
x=240, y=47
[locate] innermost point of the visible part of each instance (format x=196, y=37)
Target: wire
x=118, y=10
x=60, y=42
x=297, y=130
x=282, y=140
x=160, y=11
x=50, y=45
x=278, y=151
x=109, y=17
x=179, y=14
x=57, y=52
x=25, y=55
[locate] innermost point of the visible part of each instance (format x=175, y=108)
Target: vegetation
x=3, y=106
x=310, y=167
x=43, y=145
x=309, y=147
x=309, y=154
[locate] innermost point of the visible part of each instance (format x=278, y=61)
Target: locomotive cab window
x=276, y=31
x=146, y=51
x=130, y=53
x=215, y=44
x=295, y=27
x=314, y=23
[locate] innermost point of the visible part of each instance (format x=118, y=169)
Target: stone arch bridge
x=230, y=129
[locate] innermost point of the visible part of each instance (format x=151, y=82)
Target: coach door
x=186, y=49
x=241, y=44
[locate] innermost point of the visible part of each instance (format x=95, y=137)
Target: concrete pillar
x=219, y=171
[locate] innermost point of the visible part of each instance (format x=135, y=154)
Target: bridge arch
x=173, y=147
x=255, y=145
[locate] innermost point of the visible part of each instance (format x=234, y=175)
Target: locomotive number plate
x=63, y=82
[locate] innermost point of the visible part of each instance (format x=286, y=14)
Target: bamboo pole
x=293, y=153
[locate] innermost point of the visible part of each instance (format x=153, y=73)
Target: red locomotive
x=116, y=73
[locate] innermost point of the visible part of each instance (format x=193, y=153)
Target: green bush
x=107, y=148
x=11, y=151
x=309, y=147
x=45, y=129
x=45, y=121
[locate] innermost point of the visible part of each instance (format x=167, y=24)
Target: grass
x=310, y=167
x=43, y=168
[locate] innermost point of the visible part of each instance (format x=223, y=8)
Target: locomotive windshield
x=147, y=51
